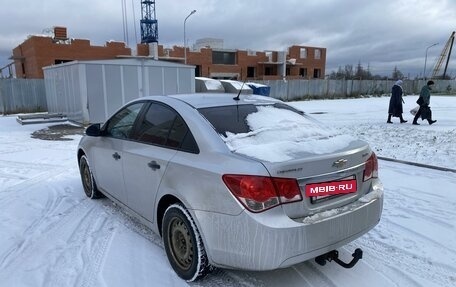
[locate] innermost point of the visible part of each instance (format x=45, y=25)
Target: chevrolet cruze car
x=243, y=182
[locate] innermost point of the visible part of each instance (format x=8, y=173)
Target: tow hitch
x=334, y=255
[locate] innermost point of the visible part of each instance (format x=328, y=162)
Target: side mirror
x=93, y=130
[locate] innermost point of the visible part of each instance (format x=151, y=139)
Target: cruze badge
x=340, y=162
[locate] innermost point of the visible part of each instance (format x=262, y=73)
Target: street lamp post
x=185, y=39
x=425, y=59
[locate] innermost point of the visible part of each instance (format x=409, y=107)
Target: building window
x=23, y=70
x=57, y=61
x=250, y=72
x=317, y=54
x=303, y=53
x=198, y=71
x=317, y=73
x=223, y=58
x=269, y=55
x=267, y=71
x=303, y=72
x=287, y=71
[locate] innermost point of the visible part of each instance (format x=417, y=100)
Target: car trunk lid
x=335, y=179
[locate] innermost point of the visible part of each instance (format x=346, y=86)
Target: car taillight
x=259, y=193
x=371, y=168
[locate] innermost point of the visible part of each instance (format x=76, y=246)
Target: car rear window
x=233, y=118
x=229, y=118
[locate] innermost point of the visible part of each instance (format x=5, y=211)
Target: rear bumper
x=271, y=240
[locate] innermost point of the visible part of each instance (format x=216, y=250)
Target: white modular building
x=90, y=91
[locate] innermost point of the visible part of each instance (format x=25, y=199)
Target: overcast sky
x=381, y=34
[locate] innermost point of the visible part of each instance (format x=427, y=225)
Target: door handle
x=116, y=156
x=153, y=165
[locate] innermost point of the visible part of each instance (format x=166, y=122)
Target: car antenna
x=237, y=97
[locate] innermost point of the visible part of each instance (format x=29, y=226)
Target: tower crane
x=149, y=27
x=446, y=53
x=149, y=23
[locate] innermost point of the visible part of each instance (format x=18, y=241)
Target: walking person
x=425, y=98
x=395, y=105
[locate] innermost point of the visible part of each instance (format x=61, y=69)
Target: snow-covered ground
x=52, y=235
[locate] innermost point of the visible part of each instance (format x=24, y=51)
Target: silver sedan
x=243, y=182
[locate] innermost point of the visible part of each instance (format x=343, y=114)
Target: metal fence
x=289, y=90
x=29, y=95
x=22, y=96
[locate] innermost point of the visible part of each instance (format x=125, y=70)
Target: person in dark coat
x=424, y=100
x=395, y=104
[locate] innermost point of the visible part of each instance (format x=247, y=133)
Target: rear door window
x=163, y=126
x=156, y=125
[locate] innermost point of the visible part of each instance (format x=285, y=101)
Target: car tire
x=88, y=182
x=183, y=244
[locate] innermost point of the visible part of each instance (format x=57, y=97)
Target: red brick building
x=298, y=62
x=40, y=51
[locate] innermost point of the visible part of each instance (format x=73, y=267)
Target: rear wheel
x=88, y=182
x=183, y=244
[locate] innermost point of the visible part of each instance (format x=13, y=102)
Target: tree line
x=360, y=73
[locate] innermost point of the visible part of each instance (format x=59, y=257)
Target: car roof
x=205, y=100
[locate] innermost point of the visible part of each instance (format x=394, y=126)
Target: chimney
x=60, y=33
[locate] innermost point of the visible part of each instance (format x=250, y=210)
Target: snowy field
x=52, y=235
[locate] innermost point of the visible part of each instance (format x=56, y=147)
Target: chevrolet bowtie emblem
x=340, y=162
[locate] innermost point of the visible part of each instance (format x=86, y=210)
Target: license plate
x=331, y=188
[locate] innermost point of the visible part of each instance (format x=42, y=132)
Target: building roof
x=126, y=61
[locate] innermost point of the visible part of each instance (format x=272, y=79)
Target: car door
x=107, y=153
x=158, y=137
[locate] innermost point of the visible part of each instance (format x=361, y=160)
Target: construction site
x=209, y=57
x=293, y=74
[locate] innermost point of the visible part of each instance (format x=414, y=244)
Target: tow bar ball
x=334, y=255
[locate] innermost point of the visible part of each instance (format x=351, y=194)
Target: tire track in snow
x=405, y=204
x=8, y=147
x=66, y=263
x=27, y=165
x=71, y=248
x=435, y=221
x=131, y=223
x=84, y=252
x=408, y=265
x=423, y=198
x=36, y=235
x=406, y=230
x=46, y=217
x=95, y=237
x=226, y=278
x=314, y=277
x=305, y=274
x=33, y=230
x=13, y=170
x=393, y=273
x=219, y=277
x=96, y=259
